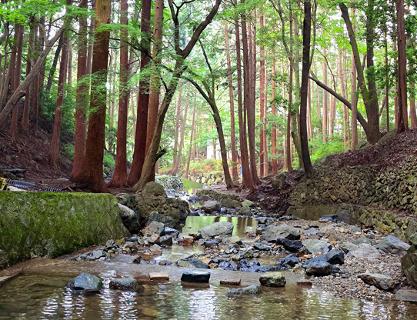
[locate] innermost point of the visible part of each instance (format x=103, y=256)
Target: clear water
x=241, y=224
x=44, y=297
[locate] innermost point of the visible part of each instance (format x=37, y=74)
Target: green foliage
x=320, y=150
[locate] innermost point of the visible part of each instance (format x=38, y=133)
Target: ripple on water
x=44, y=297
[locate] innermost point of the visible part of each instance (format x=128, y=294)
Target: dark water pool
x=44, y=297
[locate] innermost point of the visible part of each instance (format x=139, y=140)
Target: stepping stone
x=231, y=282
x=274, y=281
x=125, y=284
x=250, y=290
x=196, y=276
x=158, y=276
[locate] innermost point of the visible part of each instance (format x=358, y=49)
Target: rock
x=247, y=203
x=129, y=218
x=392, y=244
x=290, y=245
x=348, y=246
x=365, y=251
x=170, y=231
x=217, y=229
x=228, y=265
x=335, y=256
x=409, y=265
x=317, y=267
x=261, y=246
x=152, y=204
x=85, y=283
x=153, y=228
x=362, y=240
x=249, y=265
x=378, y=280
x=165, y=240
x=158, y=276
x=253, y=289
x=304, y=283
x=95, y=255
x=245, y=211
x=125, y=284
x=186, y=240
x=329, y=218
x=315, y=246
x=413, y=239
x=289, y=261
x=273, y=281
x=406, y=295
x=196, y=277
x=230, y=282
x=274, y=232
x=211, y=243
x=211, y=206
x=198, y=263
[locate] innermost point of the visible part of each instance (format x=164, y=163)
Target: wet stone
x=318, y=267
x=196, y=277
x=262, y=246
x=125, y=284
x=85, y=283
x=249, y=290
x=290, y=245
x=230, y=282
x=274, y=281
x=289, y=261
x=165, y=240
x=228, y=265
x=217, y=229
x=158, y=276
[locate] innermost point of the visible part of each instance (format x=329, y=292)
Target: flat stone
x=406, y=295
x=378, y=280
x=249, y=290
x=261, y=246
x=274, y=232
x=86, y=283
x=316, y=246
x=365, y=251
x=231, y=282
x=273, y=281
x=392, y=244
x=158, y=276
x=125, y=284
x=217, y=229
x=196, y=276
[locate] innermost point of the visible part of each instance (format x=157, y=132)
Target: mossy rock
x=52, y=224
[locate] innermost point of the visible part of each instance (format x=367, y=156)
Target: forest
x=199, y=153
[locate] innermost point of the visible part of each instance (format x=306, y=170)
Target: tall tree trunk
x=402, y=68
x=305, y=153
x=93, y=167
x=63, y=69
x=263, y=153
x=288, y=159
x=177, y=129
x=247, y=180
x=325, y=109
x=19, y=30
x=354, y=95
x=413, y=115
x=52, y=70
x=81, y=97
x=386, y=84
x=155, y=85
x=120, y=171
x=249, y=97
x=235, y=174
x=143, y=98
x=274, y=114
x=309, y=121
x=182, y=135
x=190, y=148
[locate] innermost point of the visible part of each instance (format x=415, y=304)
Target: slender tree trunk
x=81, y=98
x=93, y=167
x=402, y=68
x=309, y=121
x=52, y=71
x=305, y=153
x=235, y=174
x=177, y=129
x=190, y=148
x=249, y=97
x=413, y=115
x=247, y=180
x=354, y=95
x=143, y=98
x=288, y=159
x=263, y=153
x=325, y=105
x=19, y=30
x=274, y=114
x=386, y=86
x=120, y=171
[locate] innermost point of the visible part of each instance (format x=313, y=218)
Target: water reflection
x=241, y=224
x=42, y=297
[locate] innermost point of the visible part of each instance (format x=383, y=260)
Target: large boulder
x=316, y=246
x=85, y=283
x=318, y=267
x=392, y=244
x=381, y=281
x=217, y=229
x=129, y=218
x=225, y=200
x=274, y=232
x=409, y=262
x=152, y=204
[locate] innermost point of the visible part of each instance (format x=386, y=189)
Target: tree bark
x=93, y=164
x=274, y=114
x=402, y=68
x=143, y=98
x=120, y=171
x=263, y=152
x=235, y=174
x=325, y=109
x=190, y=149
